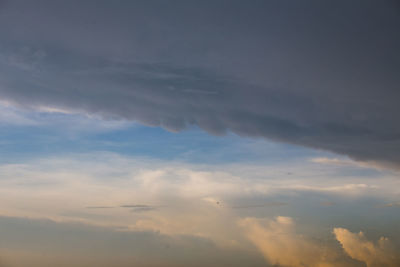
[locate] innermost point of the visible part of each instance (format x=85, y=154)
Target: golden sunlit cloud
x=356, y=245
x=281, y=245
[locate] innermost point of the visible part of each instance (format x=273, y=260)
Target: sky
x=199, y=133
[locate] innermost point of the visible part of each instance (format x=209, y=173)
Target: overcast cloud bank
x=318, y=75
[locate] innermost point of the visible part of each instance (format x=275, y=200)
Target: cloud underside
x=301, y=78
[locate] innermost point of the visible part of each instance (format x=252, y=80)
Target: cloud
x=347, y=162
x=100, y=207
x=341, y=189
x=282, y=246
x=381, y=254
x=132, y=208
x=63, y=122
x=262, y=205
x=140, y=207
x=85, y=187
x=12, y=116
x=299, y=77
x=88, y=245
x=393, y=204
x=203, y=202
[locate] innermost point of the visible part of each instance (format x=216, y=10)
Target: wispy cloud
x=106, y=182
x=65, y=122
x=348, y=162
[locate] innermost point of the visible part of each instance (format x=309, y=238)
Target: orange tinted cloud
x=281, y=245
x=356, y=245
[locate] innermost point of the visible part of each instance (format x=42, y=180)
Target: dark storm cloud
x=314, y=73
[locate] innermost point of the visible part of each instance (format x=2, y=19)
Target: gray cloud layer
x=323, y=75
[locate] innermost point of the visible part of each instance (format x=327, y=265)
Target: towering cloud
x=308, y=73
x=381, y=254
x=282, y=246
